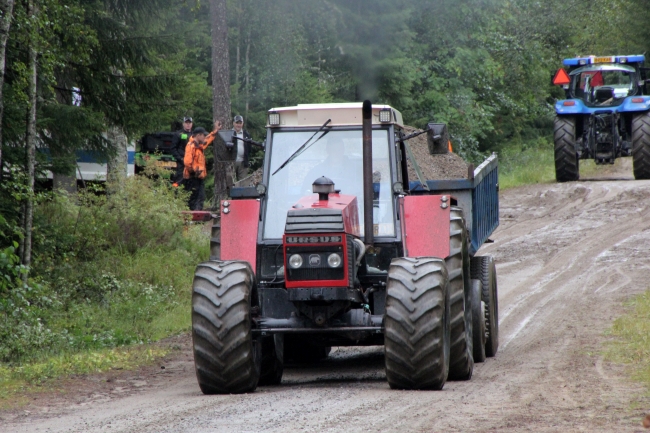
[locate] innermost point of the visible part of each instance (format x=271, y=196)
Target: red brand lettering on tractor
x=239, y=222
x=561, y=78
x=426, y=224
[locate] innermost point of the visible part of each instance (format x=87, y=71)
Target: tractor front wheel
x=226, y=357
x=641, y=145
x=417, y=330
x=567, y=167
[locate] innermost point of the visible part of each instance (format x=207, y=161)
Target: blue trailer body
x=478, y=197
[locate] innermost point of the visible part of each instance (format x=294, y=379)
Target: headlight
x=334, y=260
x=295, y=261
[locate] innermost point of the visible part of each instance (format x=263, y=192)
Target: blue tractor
x=606, y=114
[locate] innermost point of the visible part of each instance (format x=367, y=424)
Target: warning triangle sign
x=561, y=78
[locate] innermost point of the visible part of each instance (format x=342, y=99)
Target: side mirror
x=226, y=137
x=438, y=138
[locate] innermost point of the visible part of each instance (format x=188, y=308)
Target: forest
x=110, y=266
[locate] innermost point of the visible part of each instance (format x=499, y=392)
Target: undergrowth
x=526, y=164
x=109, y=271
x=632, y=343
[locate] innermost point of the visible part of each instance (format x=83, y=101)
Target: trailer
x=336, y=246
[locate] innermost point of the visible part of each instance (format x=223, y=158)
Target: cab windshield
x=337, y=155
x=603, y=85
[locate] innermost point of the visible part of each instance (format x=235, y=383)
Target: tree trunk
x=238, y=58
x=116, y=168
x=248, y=68
x=6, y=14
x=31, y=146
x=223, y=166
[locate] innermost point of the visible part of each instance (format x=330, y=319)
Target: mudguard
x=630, y=104
x=239, y=223
x=425, y=225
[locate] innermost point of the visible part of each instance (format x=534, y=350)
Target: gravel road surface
x=568, y=256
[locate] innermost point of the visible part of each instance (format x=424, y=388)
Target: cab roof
x=341, y=114
x=590, y=60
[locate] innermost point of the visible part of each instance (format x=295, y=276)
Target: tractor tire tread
x=417, y=324
x=482, y=268
x=641, y=145
x=461, y=362
x=567, y=167
x=226, y=357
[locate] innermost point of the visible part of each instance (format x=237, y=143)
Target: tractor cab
x=603, y=85
x=300, y=151
x=602, y=81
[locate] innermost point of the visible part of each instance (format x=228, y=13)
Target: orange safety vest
x=194, y=160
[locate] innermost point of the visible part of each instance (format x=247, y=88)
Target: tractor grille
x=314, y=221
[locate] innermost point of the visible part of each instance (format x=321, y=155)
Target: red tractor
x=337, y=247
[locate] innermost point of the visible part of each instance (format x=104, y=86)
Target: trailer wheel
x=567, y=166
x=483, y=269
x=272, y=363
x=417, y=331
x=226, y=357
x=478, y=321
x=461, y=362
x=641, y=145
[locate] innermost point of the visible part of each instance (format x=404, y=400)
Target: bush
x=108, y=270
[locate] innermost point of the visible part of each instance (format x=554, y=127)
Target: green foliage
x=109, y=270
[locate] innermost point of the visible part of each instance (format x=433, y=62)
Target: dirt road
x=567, y=257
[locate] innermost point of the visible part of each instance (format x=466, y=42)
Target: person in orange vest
x=195, y=171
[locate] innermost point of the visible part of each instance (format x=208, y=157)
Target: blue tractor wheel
x=641, y=145
x=567, y=167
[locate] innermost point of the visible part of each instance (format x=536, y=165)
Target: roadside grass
x=528, y=165
x=534, y=164
x=17, y=382
x=632, y=339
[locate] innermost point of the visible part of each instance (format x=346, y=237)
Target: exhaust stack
x=367, y=174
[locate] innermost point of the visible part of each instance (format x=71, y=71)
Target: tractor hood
x=338, y=214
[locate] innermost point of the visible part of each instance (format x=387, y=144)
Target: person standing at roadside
x=194, y=161
x=179, y=142
x=243, y=149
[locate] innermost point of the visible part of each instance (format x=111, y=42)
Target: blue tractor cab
x=604, y=116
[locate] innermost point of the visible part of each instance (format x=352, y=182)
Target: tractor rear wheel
x=417, y=331
x=478, y=321
x=641, y=145
x=567, y=166
x=461, y=362
x=483, y=269
x=272, y=363
x=226, y=357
